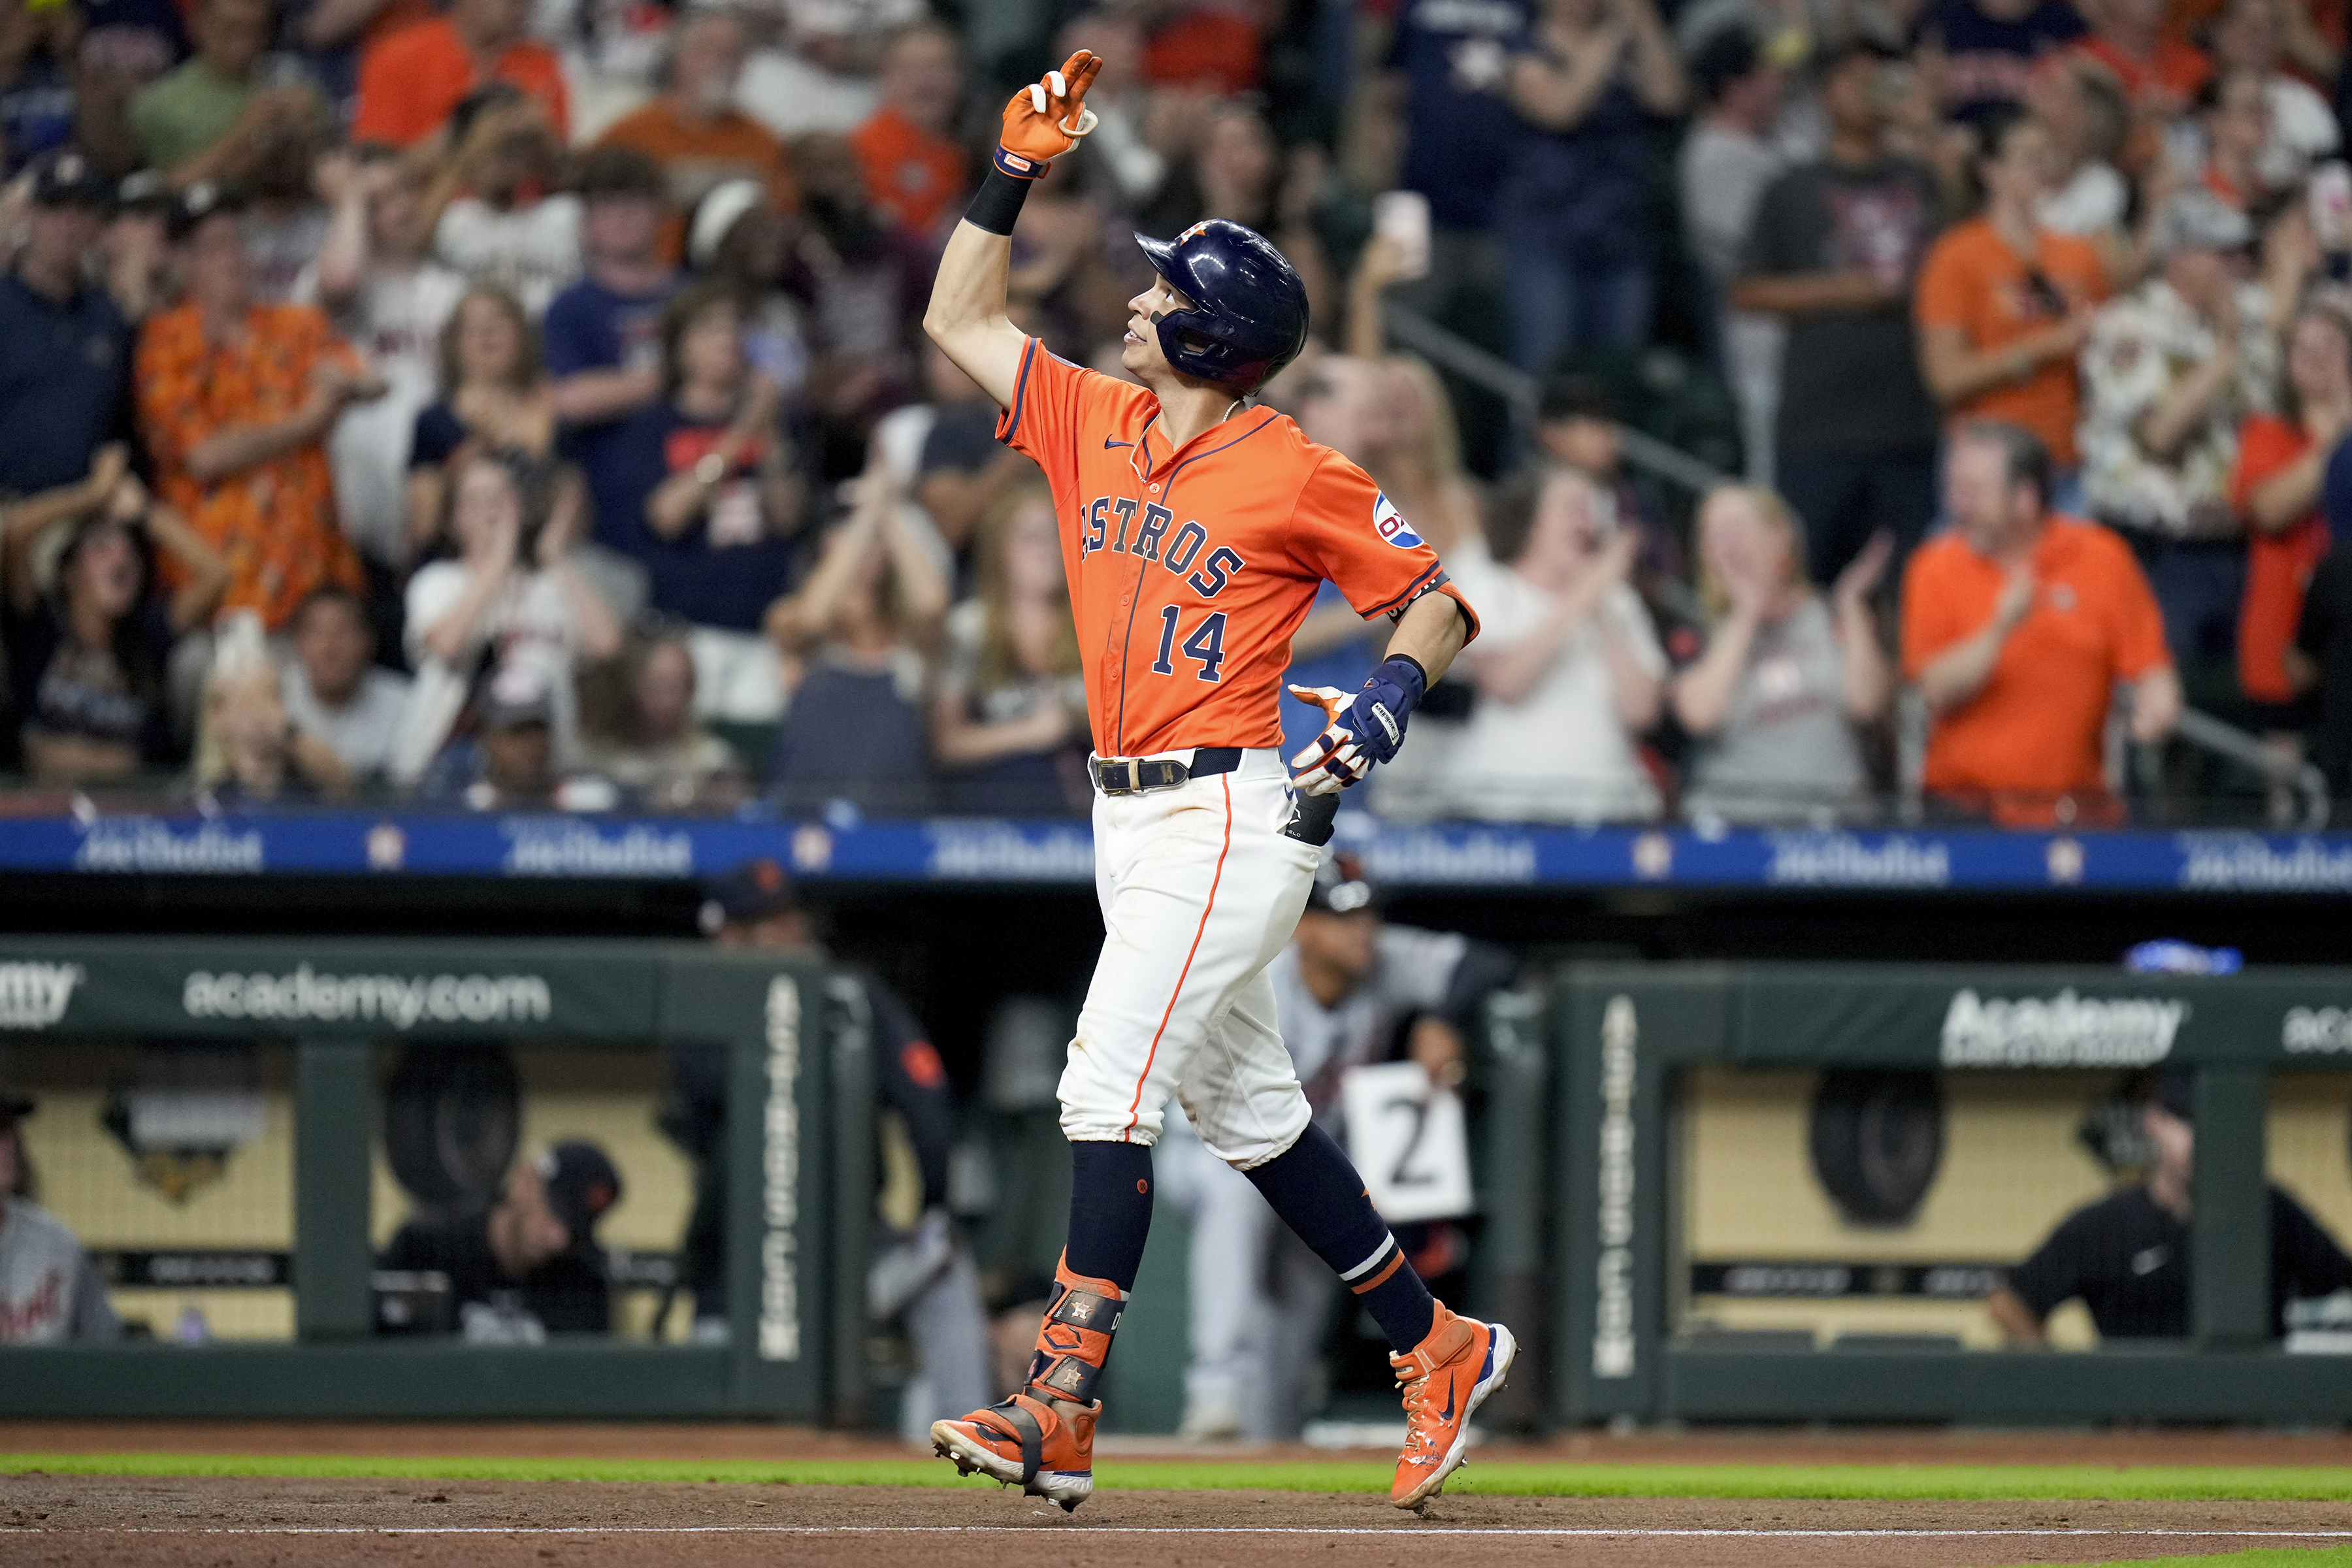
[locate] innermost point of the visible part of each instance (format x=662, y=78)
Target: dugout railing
x=797, y=1160
x=1629, y=1040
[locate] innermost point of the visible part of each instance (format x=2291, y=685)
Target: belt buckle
x=1119, y=776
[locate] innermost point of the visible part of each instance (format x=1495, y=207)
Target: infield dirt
x=135, y=1522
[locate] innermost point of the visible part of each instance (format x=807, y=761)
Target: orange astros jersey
x=1192, y=568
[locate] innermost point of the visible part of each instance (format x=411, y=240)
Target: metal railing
x=1523, y=394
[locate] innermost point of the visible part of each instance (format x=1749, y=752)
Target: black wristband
x=998, y=205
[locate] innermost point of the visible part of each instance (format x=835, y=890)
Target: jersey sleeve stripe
x=1433, y=578
x=1010, y=420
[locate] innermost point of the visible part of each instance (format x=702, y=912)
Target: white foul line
x=1585, y=1531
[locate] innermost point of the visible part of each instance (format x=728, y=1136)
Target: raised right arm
x=966, y=316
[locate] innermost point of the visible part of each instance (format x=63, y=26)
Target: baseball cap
x=581, y=1184
x=716, y=216
x=2198, y=219
x=143, y=190
x=517, y=696
x=66, y=179
x=754, y=890
x=198, y=202
x=1340, y=886
x=2174, y=1089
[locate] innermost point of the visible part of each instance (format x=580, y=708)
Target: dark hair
x=2290, y=405
x=687, y=306
x=1728, y=57
x=1511, y=511
x=26, y=1185
x=332, y=594
x=1577, y=397
x=493, y=94
x=2208, y=97
x=134, y=652
x=527, y=340
x=1860, y=46
x=621, y=171
x=1994, y=130
x=2024, y=459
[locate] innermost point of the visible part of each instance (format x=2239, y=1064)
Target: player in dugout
x=2126, y=1256
x=529, y=1265
x=49, y=1287
x=1196, y=531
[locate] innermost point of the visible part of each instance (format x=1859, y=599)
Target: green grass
x=2263, y=1557
x=2199, y=1484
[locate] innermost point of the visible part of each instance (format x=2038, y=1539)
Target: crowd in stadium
x=512, y=405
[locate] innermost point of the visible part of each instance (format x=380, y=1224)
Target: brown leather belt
x=1139, y=776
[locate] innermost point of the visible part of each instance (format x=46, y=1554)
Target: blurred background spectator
x=1567, y=670
x=1786, y=680
x=49, y=1287
x=529, y=1265
x=1008, y=723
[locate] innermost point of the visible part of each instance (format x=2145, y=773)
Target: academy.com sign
x=401, y=1001
x=2061, y=1031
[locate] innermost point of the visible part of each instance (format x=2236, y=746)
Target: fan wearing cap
x=65, y=350
x=235, y=399
x=1351, y=990
x=509, y=761
x=49, y=1289
x=918, y=1273
x=2171, y=371
x=696, y=129
x=531, y=1260
x=2125, y=1257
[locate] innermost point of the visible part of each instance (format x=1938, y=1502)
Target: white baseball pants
x=1200, y=889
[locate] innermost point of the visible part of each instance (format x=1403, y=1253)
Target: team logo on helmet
x=1391, y=525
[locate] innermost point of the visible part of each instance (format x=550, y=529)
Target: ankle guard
x=1074, y=1341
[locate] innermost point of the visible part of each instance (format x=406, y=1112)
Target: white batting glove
x=1337, y=758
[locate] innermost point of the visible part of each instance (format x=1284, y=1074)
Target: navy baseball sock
x=1110, y=1211
x=1319, y=1194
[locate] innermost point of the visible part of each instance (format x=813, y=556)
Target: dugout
x=272, y=1224
x=1782, y=1190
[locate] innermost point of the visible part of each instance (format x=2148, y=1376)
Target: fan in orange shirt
x=914, y=167
x=696, y=132
x=2004, y=304
x=234, y=400
x=410, y=81
x=2017, y=626
x=2158, y=73
x=2275, y=487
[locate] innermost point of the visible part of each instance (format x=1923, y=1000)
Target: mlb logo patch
x=1391, y=526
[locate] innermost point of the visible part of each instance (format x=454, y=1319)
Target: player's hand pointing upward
x=1046, y=118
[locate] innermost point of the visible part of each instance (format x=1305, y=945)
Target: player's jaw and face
x=1140, y=351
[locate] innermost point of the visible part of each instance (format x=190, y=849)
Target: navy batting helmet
x=1249, y=309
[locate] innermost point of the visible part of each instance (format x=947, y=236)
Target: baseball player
x=1196, y=530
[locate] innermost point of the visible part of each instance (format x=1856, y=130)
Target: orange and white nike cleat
x=1043, y=1438
x=1448, y=1375
x=1025, y=1442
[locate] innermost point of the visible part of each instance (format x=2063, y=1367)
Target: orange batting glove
x=1046, y=118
